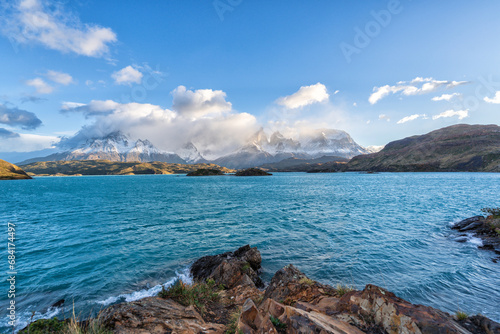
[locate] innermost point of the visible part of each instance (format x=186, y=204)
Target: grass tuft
x=307, y=281
x=495, y=212
x=461, y=315
x=246, y=267
x=197, y=294
x=70, y=326
x=342, y=289
x=280, y=326
x=232, y=326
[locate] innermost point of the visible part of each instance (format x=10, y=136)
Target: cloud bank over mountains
x=202, y=117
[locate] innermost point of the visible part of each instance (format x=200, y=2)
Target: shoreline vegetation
x=228, y=296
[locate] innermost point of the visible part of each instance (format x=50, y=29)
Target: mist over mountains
x=260, y=148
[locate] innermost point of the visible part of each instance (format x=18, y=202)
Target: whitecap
x=140, y=294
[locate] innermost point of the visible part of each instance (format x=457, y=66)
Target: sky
x=214, y=72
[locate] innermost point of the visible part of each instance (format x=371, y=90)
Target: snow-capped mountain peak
x=189, y=152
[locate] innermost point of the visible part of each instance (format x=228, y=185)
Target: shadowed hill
x=462, y=147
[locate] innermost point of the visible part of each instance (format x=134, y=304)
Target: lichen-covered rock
x=396, y=315
x=230, y=268
x=290, y=285
x=156, y=315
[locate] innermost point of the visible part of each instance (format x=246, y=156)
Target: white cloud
x=446, y=97
x=200, y=116
x=355, y=104
x=60, y=77
x=452, y=113
x=27, y=143
x=304, y=96
x=384, y=116
x=41, y=86
x=336, y=92
x=200, y=102
x=495, y=100
x=416, y=86
x=410, y=118
x=34, y=21
x=127, y=76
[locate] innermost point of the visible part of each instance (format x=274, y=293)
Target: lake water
x=105, y=239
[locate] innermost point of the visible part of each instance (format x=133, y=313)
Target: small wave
x=475, y=241
x=136, y=295
x=26, y=317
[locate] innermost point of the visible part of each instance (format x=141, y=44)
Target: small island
x=252, y=172
x=205, y=172
x=10, y=171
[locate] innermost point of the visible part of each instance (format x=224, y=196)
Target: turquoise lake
x=98, y=240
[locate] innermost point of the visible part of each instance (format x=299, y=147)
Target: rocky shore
x=487, y=229
x=228, y=296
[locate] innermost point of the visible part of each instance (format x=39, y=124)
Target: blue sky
x=233, y=66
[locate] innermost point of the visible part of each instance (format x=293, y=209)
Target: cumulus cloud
x=4, y=133
x=127, y=76
x=18, y=118
x=446, y=97
x=40, y=86
x=416, y=86
x=410, y=118
x=461, y=114
x=495, y=99
x=199, y=102
x=34, y=21
x=60, y=77
x=306, y=95
x=200, y=116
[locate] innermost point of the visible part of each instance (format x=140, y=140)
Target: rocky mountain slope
x=262, y=149
x=9, y=171
x=461, y=147
x=259, y=149
x=114, y=147
x=228, y=296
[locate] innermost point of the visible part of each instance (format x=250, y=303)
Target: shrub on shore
x=342, y=289
x=197, y=294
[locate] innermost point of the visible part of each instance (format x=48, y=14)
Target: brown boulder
x=230, y=268
x=290, y=285
x=156, y=315
x=396, y=315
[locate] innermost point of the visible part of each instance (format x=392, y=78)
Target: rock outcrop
x=487, y=229
x=291, y=303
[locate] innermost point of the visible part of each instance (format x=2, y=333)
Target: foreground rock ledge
x=292, y=303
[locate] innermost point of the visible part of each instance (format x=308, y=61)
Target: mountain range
x=260, y=149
